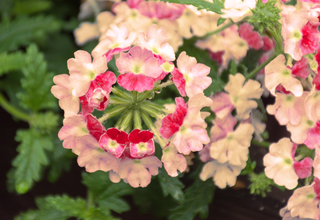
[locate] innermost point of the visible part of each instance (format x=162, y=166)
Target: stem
x=255, y=71
x=113, y=112
x=121, y=93
x=90, y=199
x=13, y=110
x=116, y=100
x=218, y=30
x=168, y=83
x=134, y=96
x=261, y=143
x=137, y=120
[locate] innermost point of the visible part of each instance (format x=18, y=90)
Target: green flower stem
x=151, y=111
x=255, y=71
x=153, y=105
x=147, y=120
x=90, y=199
x=116, y=100
x=113, y=112
x=13, y=110
x=218, y=30
x=137, y=119
x=122, y=94
x=118, y=123
x=134, y=96
x=142, y=96
x=261, y=143
x=127, y=119
x=165, y=84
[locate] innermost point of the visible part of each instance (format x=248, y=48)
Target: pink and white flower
x=141, y=143
x=63, y=91
x=190, y=78
x=82, y=71
x=114, y=141
x=140, y=69
x=173, y=161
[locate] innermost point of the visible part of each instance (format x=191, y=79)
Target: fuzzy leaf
x=45, y=122
x=36, y=82
x=23, y=30
x=12, y=61
x=171, y=185
x=216, y=6
x=31, y=157
x=196, y=201
x=105, y=193
x=74, y=207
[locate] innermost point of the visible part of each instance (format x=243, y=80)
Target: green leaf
x=171, y=185
x=31, y=157
x=45, y=122
x=216, y=6
x=220, y=21
x=36, y=82
x=12, y=61
x=233, y=67
x=23, y=30
x=29, y=7
x=250, y=166
x=197, y=198
x=74, y=207
x=106, y=193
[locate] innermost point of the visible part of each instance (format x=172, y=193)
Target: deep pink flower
x=217, y=56
x=141, y=143
x=268, y=44
x=114, y=141
x=252, y=37
x=85, y=107
x=95, y=128
x=313, y=137
x=172, y=122
x=301, y=68
x=99, y=90
x=161, y=10
x=310, y=39
x=302, y=168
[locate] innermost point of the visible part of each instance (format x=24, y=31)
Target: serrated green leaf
x=36, y=82
x=216, y=6
x=12, y=61
x=29, y=7
x=197, y=198
x=44, y=122
x=171, y=185
x=48, y=214
x=105, y=193
x=74, y=207
x=31, y=157
x=23, y=30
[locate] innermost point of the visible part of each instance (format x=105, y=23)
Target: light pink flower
x=300, y=132
x=138, y=171
x=304, y=202
x=276, y=72
x=234, y=147
x=161, y=10
x=193, y=74
x=117, y=39
x=221, y=104
x=279, y=164
x=85, y=32
x=155, y=40
x=63, y=91
x=221, y=127
x=82, y=71
x=222, y=174
x=93, y=157
x=312, y=104
x=287, y=108
x=173, y=161
x=241, y=94
x=73, y=128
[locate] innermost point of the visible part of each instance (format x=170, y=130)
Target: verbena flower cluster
x=143, y=37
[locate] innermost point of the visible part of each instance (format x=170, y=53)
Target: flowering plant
x=172, y=86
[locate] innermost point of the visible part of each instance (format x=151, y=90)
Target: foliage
x=11, y=61
x=260, y=184
x=216, y=6
x=31, y=156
